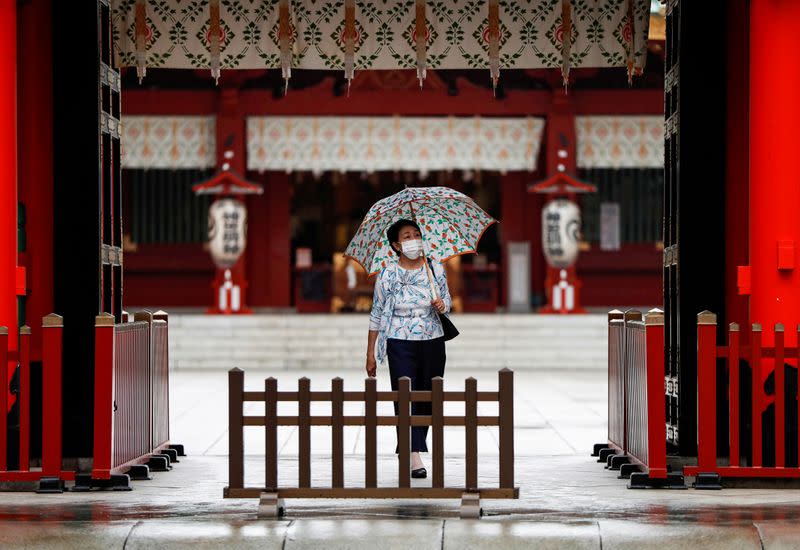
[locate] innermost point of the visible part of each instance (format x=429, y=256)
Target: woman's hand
x=438, y=303
x=372, y=366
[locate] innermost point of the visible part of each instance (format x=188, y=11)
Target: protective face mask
x=412, y=249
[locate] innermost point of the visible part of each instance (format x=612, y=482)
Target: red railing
x=50, y=476
x=131, y=418
x=645, y=418
x=636, y=415
x=761, y=360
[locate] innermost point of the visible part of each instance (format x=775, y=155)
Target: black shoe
x=419, y=473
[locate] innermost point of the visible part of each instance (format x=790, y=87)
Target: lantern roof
x=561, y=183
x=227, y=182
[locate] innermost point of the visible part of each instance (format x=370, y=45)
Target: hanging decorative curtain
x=355, y=35
x=175, y=142
x=620, y=141
x=319, y=144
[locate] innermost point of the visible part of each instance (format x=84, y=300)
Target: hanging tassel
x=285, y=42
x=140, y=27
x=349, y=41
x=566, y=40
x=214, y=31
x=630, y=43
x=494, y=43
x=421, y=41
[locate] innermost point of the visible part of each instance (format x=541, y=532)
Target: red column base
x=557, y=289
x=230, y=304
x=218, y=311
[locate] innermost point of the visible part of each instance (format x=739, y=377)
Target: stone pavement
x=567, y=500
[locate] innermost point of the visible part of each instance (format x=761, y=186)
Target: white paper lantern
x=561, y=226
x=227, y=231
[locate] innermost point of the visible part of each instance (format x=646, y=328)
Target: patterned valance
x=319, y=144
x=169, y=142
x=381, y=34
x=620, y=141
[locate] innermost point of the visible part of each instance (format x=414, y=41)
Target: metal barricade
x=636, y=403
x=616, y=381
x=131, y=419
x=131, y=408
x=646, y=417
x=159, y=380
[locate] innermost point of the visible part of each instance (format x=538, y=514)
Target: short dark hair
x=393, y=233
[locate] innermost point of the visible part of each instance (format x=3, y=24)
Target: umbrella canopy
x=450, y=222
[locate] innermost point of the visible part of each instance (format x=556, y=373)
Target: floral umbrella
x=450, y=222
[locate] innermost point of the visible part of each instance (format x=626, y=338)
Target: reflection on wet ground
x=561, y=488
x=567, y=499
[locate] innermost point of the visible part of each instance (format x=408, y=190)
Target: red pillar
x=774, y=189
x=533, y=228
x=36, y=160
x=8, y=170
x=103, y=448
x=230, y=152
x=279, y=197
x=230, y=130
x=561, y=138
x=520, y=221
x=258, y=267
x=512, y=220
x=268, y=243
x=560, y=155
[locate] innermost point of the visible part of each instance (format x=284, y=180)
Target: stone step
x=286, y=341
x=360, y=320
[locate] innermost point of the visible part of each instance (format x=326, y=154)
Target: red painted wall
x=774, y=226
x=8, y=169
x=520, y=213
x=35, y=105
x=628, y=277
x=168, y=276
x=268, y=248
x=737, y=160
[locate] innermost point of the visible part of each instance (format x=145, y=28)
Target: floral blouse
x=401, y=305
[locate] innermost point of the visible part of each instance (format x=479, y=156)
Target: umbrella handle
x=431, y=280
x=427, y=265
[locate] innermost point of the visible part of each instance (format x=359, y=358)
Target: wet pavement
x=567, y=499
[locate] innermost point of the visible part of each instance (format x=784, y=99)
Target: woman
x=404, y=326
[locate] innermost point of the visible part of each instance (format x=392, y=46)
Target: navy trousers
x=421, y=361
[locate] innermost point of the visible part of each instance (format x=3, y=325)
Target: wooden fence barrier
x=271, y=494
